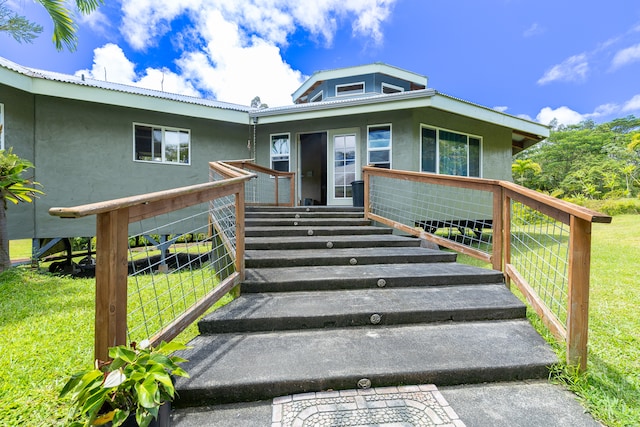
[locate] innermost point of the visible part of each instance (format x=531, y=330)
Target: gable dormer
x=359, y=81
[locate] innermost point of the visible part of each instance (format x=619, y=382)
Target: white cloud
x=237, y=43
x=566, y=116
x=632, y=105
x=501, y=108
x=574, y=68
x=534, y=30
x=111, y=64
x=626, y=56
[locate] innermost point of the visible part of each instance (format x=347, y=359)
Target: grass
x=46, y=334
x=610, y=389
x=20, y=249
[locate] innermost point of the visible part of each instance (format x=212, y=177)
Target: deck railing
x=163, y=259
x=540, y=243
x=270, y=187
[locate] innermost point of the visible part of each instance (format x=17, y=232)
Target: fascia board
x=447, y=103
x=16, y=80
x=131, y=100
x=359, y=106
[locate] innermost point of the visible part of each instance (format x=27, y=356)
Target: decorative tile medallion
x=404, y=406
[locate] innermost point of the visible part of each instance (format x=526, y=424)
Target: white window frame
x=468, y=135
x=316, y=96
x=162, y=158
x=280, y=156
x=2, y=128
x=350, y=92
x=395, y=89
x=390, y=148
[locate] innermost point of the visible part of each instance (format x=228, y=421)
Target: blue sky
x=572, y=60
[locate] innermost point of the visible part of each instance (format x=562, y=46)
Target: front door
x=313, y=169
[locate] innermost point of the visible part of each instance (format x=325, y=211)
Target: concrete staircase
x=332, y=302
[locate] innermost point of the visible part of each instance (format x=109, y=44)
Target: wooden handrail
x=579, y=219
x=112, y=224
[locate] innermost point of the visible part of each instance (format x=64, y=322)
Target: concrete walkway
x=524, y=404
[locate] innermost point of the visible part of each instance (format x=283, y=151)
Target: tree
x=257, y=103
x=523, y=167
x=64, y=28
x=13, y=188
x=18, y=27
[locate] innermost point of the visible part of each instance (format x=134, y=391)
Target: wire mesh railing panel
x=459, y=214
x=175, y=260
x=540, y=254
x=284, y=190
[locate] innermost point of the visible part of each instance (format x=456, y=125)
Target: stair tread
x=337, y=241
x=317, y=309
x=345, y=256
x=288, y=278
x=232, y=367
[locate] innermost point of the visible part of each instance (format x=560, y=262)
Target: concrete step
x=256, y=366
x=362, y=307
x=365, y=276
x=298, y=209
x=347, y=256
x=335, y=241
x=306, y=222
x=314, y=231
x=303, y=214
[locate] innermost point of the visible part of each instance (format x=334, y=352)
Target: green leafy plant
x=136, y=380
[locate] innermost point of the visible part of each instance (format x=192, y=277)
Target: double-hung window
x=450, y=153
x=161, y=144
x=280, y=152
x=379, y=146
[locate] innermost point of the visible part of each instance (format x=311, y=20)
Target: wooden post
x=506, y=235
x=497, y=252
x=277, y=182
x=578, y=293
x=292, y=190
x=111, y=281
x=240, y=233
x=366, y=177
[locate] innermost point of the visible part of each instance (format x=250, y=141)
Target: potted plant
x=132, y=387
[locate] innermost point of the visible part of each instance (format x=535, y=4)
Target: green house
x=93, y=140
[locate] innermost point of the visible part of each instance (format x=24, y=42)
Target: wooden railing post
x=506, y=236
x=111, y=281
x=367, y=178
x=277, y=182
x=498, y=246
x=292, y=191
x=578, y=292
x=240, y=233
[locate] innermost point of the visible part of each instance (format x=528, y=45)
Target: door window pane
x=344, y=151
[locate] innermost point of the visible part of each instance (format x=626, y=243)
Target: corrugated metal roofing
x=119, y=87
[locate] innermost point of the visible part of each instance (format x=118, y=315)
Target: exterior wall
x=84, y=154
x=373, y=84
x=19, y=134
x=406, y=150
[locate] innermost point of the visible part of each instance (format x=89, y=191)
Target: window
x=389, y=88
x=350, y=89
x=379, y=146
x=161, y=144
x=280, y=152
x=450, y=153
x=1, y=126
x=317, y=97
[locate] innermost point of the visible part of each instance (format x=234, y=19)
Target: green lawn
x=46, y=334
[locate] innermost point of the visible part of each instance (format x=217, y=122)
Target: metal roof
x=118, y=87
